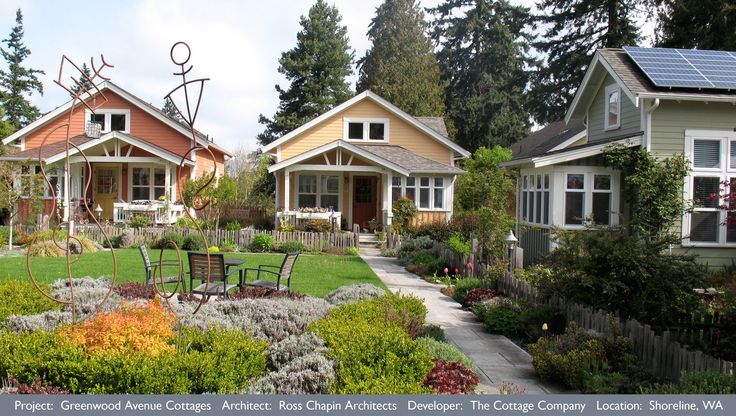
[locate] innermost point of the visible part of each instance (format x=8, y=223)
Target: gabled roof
x=133, y=99
x=634, y=83
x=555, y=136
x=54, y=152
x=429, y=131
x=396, y=158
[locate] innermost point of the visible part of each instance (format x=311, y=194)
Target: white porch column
x=67, y=216
x=387, y=202
x=167, y=191
x=287, y=189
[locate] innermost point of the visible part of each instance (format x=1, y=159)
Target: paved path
x=498, y=359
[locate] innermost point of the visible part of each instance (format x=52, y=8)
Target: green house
x=668, y=101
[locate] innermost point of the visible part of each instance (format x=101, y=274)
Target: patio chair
x=282, y=273
x=152, y=269
x=218, y=274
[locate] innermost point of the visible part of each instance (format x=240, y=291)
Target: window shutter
x=707, y=153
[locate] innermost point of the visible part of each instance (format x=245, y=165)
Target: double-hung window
x=319, y=191
x=589, y=196
x=149, y=183
x=713, y=173
x=535, y=199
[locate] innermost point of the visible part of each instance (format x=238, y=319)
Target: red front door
x=365, y=200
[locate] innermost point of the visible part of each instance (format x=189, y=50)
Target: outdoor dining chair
x=152, y=270
x=282, y=273
x=218, y=274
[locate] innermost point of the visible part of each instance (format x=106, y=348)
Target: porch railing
x=158, y=213
x=299, y=217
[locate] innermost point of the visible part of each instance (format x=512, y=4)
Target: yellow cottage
x=355, y=160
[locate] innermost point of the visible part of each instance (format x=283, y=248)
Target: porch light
x=98, y=210
x=511, y=241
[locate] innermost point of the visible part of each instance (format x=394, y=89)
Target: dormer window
x=369, y=130
x=612, y=117
x=110, y=120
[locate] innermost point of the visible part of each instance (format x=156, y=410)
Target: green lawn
x=314, y=275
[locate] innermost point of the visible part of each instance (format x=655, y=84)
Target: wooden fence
x=243, y=237
x=662, y=354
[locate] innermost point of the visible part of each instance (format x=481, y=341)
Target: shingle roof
x=435, y=123
x=49, y=150
x=545, y=139
x=408, y=159
x=638, y=83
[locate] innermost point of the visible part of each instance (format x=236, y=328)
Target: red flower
x=470, y=266
x=457, y=270
x=447, y=270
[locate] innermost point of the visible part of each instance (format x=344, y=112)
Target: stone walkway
x=498, y=359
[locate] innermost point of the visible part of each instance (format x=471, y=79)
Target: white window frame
x=108, y=112
x=366, y=129
x=152, y=184
x=613, y=88
x=727, y=139
x=319, y=193
x=589, y=173
x=446, y=191
x=525, y=197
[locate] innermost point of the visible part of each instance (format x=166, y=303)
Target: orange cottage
x=134, y=150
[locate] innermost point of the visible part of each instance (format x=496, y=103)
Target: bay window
x=590, y=196
x=431, y=191
x=713, y=158
x=535, y=199
x=574, y=199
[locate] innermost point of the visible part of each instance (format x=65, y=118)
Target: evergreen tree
x=83, y=80
x=6, y=129
x=316, y=68
x=17, y=81
x=483, y=58
x=170, y=110
x=401, y=65
x=702, y=24
x=575, y=29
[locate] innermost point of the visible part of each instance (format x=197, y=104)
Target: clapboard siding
x=630, y=117
x=671, y=119
x=401, y=134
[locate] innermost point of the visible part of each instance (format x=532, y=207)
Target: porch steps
x=368, y=240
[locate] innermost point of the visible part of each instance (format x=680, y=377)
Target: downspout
x=648, y=135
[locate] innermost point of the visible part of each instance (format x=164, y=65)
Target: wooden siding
x=630, y=115
x=400, y=133
x=671, y=119
x=429, y=217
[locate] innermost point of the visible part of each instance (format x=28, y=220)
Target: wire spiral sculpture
x=86, y=93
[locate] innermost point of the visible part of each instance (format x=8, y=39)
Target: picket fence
x=243, y=237
x=661, y=354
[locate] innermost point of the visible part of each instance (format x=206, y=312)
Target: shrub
x=139, y=221
x=410, y=248
x=566, y=366
x=45, y=248
x=463, y=286
x=232, y=226
x=476, y=295
x=213, y=249
x=291, y=246
x=451, y=378
x=389, y=252
x=467, y=225
x=37, y=387
x=186, y=222
x=22, y=298
x=309, y=374
x=228, y=246
x=166, y=239
x=257, y=292
x=135, y=290
x=283, y=352
x=193, y=243
x=352, y=251
x=45, y=321
x=262, y=242
x=444, y=351
x=133, y=329
x=404, y=210
x=352, y=293
x=376, y=355
x=432, y=331
x=697, y=382
x=459, y=246
x=316, y=226
x=505, y=317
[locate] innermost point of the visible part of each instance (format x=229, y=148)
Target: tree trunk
x=10, y=234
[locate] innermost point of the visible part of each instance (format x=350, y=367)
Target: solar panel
x=686, y=68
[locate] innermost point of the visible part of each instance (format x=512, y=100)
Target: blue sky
x=235, y=43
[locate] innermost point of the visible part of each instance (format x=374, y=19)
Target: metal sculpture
x=88, y=88
x=188, y=109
